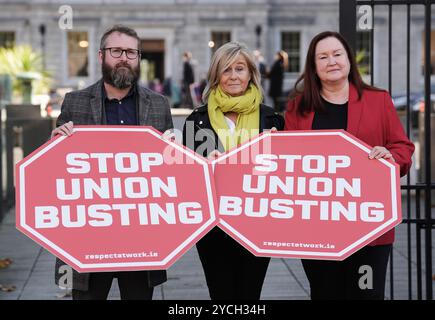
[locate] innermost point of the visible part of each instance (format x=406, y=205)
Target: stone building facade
x=170, y=27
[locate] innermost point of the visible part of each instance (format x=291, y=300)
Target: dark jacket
x=188, y=76
x=276, y=77
x=199, y=120
x=85, y=107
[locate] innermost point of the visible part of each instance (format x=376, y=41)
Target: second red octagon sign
x=115, y=198
x=312, y=195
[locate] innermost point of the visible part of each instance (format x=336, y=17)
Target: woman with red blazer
x=330, y=94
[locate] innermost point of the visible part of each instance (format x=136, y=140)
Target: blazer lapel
x=144, y=106
x=354, y=113
x=306, y=122
x=96, y=104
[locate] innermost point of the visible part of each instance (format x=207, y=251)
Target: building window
x=78, y=59
x=7, y=39
x=218, y=39
x=363, y=51
x=291, y=43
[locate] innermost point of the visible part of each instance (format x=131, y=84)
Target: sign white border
x=90, y=266
x=342, y=134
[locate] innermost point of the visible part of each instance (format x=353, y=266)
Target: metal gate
x=418, y=219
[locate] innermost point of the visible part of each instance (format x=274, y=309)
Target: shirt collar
x=130, y=93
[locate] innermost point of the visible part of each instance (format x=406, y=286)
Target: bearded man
x=116, y=99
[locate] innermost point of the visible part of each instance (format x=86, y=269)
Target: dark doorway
x=153, y=60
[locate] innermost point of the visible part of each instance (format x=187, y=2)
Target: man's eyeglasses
x=117, y=52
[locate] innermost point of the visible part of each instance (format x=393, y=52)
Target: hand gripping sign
x=115, y=198
x=312, y=195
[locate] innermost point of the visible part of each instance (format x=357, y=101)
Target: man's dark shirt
x=121, y=112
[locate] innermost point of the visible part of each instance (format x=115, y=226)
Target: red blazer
x=374, y=120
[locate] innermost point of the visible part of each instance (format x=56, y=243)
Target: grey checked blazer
x=84, y=107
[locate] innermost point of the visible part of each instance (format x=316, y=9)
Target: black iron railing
x=421, y=220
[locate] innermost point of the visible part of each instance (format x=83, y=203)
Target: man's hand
x=64, y=130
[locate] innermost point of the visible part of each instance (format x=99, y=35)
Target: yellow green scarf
x=248, y=121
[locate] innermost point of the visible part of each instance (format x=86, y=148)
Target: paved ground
x=32, y=270
x=31, y=273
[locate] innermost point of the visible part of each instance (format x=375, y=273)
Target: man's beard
x=118, y=77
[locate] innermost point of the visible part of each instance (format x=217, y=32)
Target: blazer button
x=200, y=122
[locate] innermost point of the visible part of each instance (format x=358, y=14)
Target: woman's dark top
x=334, y=116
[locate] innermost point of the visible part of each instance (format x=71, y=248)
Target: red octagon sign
x=115, y=198
x=306, y=194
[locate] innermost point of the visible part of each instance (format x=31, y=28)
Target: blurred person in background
x=276, y=79
x=188, y=80
x=261, y=66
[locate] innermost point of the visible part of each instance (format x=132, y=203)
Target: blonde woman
x=233, y=113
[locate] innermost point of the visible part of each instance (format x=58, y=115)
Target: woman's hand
x=273, y=129
x=214, y=155
x=379, y=152
x=64, y=130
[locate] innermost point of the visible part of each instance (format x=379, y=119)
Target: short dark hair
x=121, y=29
